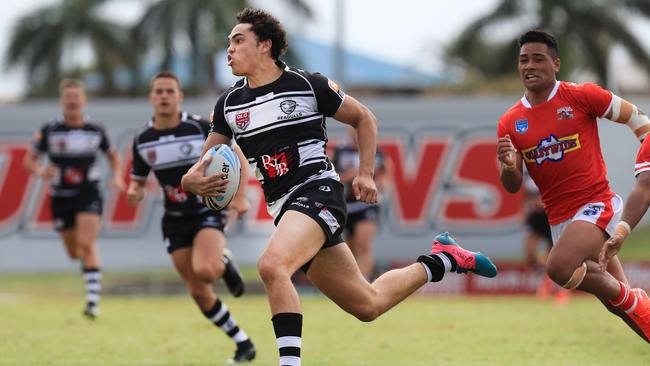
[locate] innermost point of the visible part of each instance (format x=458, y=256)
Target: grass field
x=41, y=324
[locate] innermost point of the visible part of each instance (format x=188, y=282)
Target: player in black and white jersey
x=71, y=142
x=363, y=218
x=277, y=116
x=169, y=144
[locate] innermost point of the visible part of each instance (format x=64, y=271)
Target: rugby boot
x=231, y=274
x=245, y=353
x=91, y=311
x=466, y=261
x=640, y=313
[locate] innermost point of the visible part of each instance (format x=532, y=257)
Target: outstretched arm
x=636, y=205
x=624, y=112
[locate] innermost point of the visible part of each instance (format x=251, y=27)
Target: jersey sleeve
x=39, y=143
x=329, y=95
x=205, y=127
x=643, y=158
x=139, y=168
x=218, y=123
x=105, y=143
x=596, y=99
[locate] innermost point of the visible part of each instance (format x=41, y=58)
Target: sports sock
x=220, y=316
x=437, y=265
x=626, y=299
x=93, y=278
x=288, y=334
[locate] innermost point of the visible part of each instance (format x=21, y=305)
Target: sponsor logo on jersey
x=186, y=148
x=72, y=175
x=552, y=149
x=288, y=106
x=565, y=112
x=335, y=87
x=275, y=165
x=242, y=119
x=175, y=194
x=593, y=209
x=151, y=155
x=521, y=125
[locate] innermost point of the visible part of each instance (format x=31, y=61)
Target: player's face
x=245, y=51
x=165, y=97
x=536, y=66
x=73, y=101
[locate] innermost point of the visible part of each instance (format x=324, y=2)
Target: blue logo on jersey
x=521, y=125
x=593, y=210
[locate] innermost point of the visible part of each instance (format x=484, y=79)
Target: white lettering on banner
x=440, y=182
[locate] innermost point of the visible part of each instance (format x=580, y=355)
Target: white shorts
x=605, y=215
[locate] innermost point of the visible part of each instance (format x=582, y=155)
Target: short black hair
x=167, y=75
x=265, y=26
x=539, y=36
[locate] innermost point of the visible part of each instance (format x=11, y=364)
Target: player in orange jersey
x=553, y=130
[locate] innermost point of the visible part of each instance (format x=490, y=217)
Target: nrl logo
x=288, y=106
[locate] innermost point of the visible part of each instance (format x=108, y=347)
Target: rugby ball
x=224, y=160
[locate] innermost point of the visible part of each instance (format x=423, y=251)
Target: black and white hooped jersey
x=346, y=157
x=280, y=127
x=170, y=153
x=73, y=150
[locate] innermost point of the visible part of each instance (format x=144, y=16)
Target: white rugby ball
x=224, y=160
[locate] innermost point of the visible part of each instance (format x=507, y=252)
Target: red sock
x=626, y=300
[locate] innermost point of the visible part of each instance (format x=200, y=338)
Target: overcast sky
x=408, y=32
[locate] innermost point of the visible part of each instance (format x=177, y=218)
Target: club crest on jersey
x=186, y=148
x=565, y=112
x=551, y=148
x=242, y=119
x=521, y=125
x=151, y=155
x=288, y=106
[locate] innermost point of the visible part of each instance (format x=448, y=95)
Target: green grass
x=637, y=246
x=41, y=324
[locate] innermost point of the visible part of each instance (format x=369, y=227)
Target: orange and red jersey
x=643, y=158
x=559, y=143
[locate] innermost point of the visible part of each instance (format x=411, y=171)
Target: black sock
x=288, y=334
x=437, y=264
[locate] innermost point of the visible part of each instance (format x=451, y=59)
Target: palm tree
x=42, y=39
x=205, y=23
x=586, y=31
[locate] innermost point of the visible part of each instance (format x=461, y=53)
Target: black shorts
x=324, y=202
x=368, y=213
x=179, y=231
x=537, y=223
x=65, y=209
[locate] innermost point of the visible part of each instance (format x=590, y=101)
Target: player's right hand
x=506, y=152
x=196, y=182
x=609, y=250
x=46, y=172
x=134, y=195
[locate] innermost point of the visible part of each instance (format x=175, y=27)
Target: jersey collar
x=526, y=104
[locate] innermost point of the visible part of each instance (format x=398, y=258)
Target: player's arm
x=31, y=162
x=115, y=162
x=135, y=192
x=239, y=204
x=195, y=180
x=357, y=115
x=626, y=113
x=635, y=207
x=510, y=162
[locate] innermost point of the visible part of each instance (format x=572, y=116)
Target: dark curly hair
x=265, y=26
x=539, y=36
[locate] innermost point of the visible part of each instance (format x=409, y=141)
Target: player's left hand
x=118, y=183
x=611, y=247
x=365, y=189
